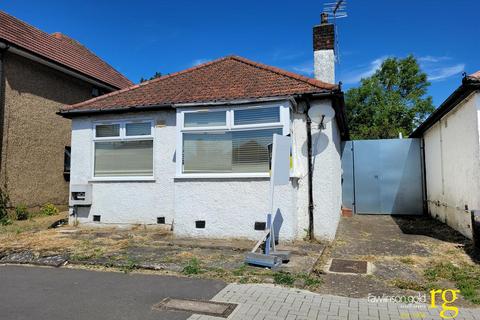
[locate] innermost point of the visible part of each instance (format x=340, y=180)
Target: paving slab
x=301, y=304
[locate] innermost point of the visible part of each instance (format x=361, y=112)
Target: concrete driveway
x=47, y=293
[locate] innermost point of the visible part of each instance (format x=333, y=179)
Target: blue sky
x=141, y=37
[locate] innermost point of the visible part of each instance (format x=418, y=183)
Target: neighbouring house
x=39, y=72
x=190, y=150
x=451, y=139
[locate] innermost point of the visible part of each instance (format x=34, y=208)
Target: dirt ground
x=407, y=254
x=152, y=248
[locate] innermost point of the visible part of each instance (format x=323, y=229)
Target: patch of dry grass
x=113, y=248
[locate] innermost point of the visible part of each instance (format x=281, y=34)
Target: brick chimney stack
x=324, y=50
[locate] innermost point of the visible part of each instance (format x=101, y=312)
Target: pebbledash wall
x=230, y=206
x=33, y=135
x=452, y=161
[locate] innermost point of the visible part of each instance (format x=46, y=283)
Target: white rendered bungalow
x=189, y=150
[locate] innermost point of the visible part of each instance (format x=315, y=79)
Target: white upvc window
x=123, y=150
x=228, y=142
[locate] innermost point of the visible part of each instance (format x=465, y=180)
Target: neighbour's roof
x=229, y=78
x=475, y=75
x=469, y=84
x=59, y=49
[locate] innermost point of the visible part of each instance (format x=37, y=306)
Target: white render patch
x=230, y=208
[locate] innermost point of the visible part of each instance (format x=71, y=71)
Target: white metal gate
x=383, y=176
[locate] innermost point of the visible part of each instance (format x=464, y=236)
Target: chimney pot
x=324, y=18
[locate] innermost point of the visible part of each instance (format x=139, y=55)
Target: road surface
x=42, y=293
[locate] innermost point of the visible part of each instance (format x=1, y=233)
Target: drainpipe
x=310, y=173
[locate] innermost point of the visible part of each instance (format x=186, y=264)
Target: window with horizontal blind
x=123, y=150
x=228, y=142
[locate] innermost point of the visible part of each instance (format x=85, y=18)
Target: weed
x=243, y=280
x=407, y=260
x=129, y=266
x=49, y=210
x=282, y=277
x=21, y=212
x=408, y=285
x=310, y=281
x=193, y=267
x=5, y=221
x=466, y=278
x=239, y=271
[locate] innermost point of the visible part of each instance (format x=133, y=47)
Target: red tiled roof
x=60, y=49
x=228, y=78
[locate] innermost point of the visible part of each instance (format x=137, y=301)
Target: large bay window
x=123, y=149
x=228, y=142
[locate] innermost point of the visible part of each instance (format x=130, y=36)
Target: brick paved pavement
x=268, y=302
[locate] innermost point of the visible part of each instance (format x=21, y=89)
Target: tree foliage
x=391, y=101
x=156, y=75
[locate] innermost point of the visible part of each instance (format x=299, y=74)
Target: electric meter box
x=80, y=195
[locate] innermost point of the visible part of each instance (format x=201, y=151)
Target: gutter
x=78, y=113
x=469, y=84
x=54, y=65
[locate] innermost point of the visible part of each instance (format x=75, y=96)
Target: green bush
x=21, y=212
x=49, y=210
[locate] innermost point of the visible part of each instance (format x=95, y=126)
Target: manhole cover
x=211, y=308
x=348, y=266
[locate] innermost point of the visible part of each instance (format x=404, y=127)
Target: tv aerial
x=337, y=10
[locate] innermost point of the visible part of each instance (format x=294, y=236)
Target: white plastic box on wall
x=80, y=195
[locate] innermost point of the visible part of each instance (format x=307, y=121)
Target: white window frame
x=123, y=137
x=284, y=124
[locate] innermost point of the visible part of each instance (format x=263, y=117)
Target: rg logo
x=445, y=307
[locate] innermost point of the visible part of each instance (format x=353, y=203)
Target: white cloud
x=305, y=68
x=432, y=59
x=280, y=55
x=362, y=71
x=197, y=62
x=442, y=73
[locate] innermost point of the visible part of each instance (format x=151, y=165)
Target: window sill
x=123, y=179
x=222, y=175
